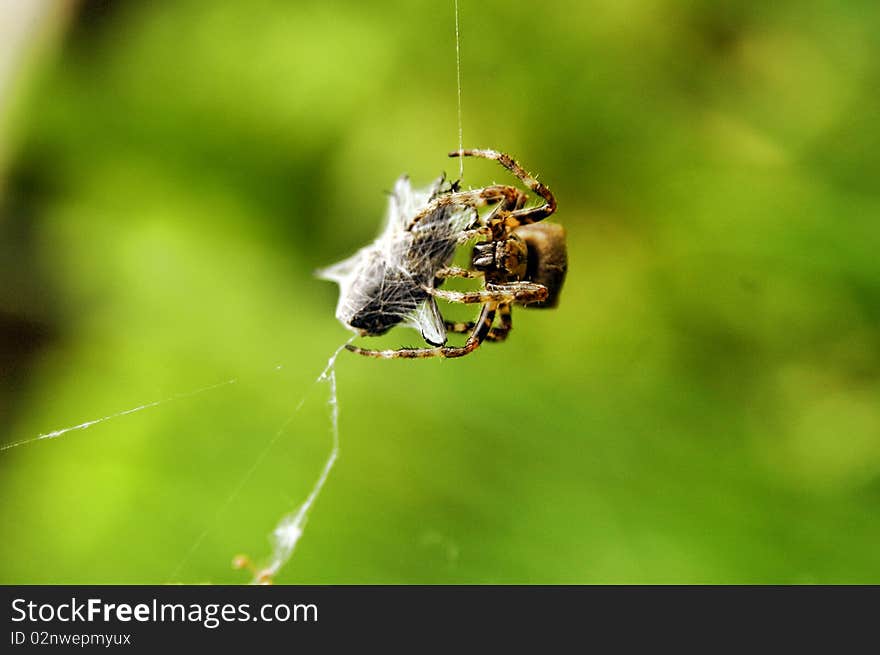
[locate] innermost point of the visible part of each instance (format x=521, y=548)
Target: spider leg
x=497, y=333
x=521, y=293
x=481, y=330
x=523, y=216
x=455, y=271
x=476, y=233
x=512, y=198
x=460, y=327
x=477, y=198
x=505, y=320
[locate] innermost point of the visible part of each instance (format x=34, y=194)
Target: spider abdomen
x=547, y=260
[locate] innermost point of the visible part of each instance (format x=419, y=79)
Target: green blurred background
x=703, y=407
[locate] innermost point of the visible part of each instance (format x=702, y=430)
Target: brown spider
x=395, y=279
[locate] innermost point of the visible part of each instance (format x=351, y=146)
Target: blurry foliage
x=704, y=406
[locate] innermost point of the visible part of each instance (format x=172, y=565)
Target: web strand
x=458, y=83
x=84, y=426
x=291, y=526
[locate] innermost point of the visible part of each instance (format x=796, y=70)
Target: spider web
x=389, y=278
x=290, y=528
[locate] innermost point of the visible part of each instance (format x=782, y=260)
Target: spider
x=394, y=280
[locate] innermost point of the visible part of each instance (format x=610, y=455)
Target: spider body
x=395, y=279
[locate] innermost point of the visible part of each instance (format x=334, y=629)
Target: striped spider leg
x=491, y=298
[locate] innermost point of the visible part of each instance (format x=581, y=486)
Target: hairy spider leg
x=497, y=333
x=476, y=233
x=518, y=292
x=522, y=216
x=456, y=271
x=481, y=330
x=476, y=199
x=505, y=323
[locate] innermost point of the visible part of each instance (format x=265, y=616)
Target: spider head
x=502, y=260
